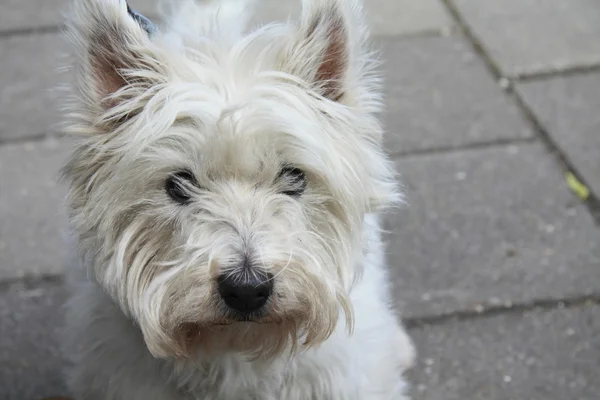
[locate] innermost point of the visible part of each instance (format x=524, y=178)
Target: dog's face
x=221, y=183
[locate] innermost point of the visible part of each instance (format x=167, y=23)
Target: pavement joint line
x=556, y=73
x=38, y=137
x=421, y=34
x=55, y=29
x=593, y=202
x=31, y=281
x=472, y=38
x=497, y=310
x=31, y=31
x=467, y=147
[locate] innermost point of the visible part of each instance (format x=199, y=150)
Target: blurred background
x=494, y=124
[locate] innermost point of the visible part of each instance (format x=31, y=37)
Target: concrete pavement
x=495, y=263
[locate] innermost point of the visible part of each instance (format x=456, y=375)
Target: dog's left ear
x=329, y=43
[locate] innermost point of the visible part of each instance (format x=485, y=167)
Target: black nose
x=245, y=291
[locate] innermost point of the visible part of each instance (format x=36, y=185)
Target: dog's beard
x=182, y=315
x=262, y=338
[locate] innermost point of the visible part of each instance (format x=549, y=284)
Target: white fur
x=232, y=107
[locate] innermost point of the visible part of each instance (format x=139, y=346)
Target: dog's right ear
x=115, y=57
x=329, y=50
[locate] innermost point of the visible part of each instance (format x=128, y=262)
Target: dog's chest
x=312, y=376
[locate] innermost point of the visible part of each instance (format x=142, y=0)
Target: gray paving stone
x=31, y=14
x=438, y=95
x=32, y=232
x=529, y=36
x=31, y=364
x=29, y=82
x=489, y=227
x=568, y=108
x=385, y=17
x=538, y=355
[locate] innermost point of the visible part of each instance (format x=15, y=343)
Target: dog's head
x=222, y=178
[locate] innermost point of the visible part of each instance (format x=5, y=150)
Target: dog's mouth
x=191, y=329
x=259, y=319
x=192, y=333
x=237, y=321
x=259, y=316
x=258, y=338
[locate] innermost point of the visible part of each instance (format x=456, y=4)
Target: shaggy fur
x=234, y=111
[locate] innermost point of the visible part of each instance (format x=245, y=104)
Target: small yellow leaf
x=577, y=187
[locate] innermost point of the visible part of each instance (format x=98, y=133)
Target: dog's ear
x=115, y=55
x=327, y=45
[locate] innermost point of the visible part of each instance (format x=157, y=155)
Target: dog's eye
x=178, y=186
x=294, y=181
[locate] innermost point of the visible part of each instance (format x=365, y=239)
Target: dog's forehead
x=239, y=153
x=220, y=145
x=241, y=121
x=246, y=119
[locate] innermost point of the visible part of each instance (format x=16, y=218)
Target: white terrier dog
x=224, y=194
